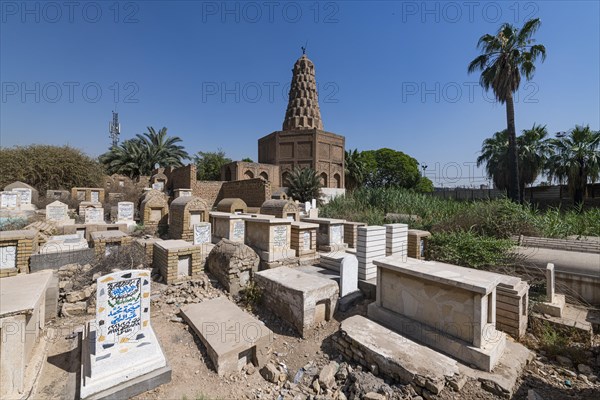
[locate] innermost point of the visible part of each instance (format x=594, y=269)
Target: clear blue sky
x=390, y=74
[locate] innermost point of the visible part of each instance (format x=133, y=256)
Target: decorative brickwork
x=240, y=170
x=154, y=210
x=281, y=209
x=303, y=105
x=304, y=241
x=232, y=205
x=184, y=212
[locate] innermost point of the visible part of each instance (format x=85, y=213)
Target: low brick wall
x=351, y=233
x=100, y=244
x=584, y=246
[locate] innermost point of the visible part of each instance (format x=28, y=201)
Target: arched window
x=284, y=178
x=337, y=180
x=264, y=175
x=324, y=179
x=248, y=174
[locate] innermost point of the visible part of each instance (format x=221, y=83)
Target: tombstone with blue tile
x=119, y=346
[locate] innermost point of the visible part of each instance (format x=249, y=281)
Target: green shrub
x=496, y=218
x=49, y=167
x=468, y=249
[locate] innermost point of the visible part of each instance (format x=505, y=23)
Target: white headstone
x=348, y=275
x=337, y=234
x=307, y=206
x=57, y=211
x=550, y=283
x=306, y=242
x=95, y=196
x=202, y=233
x=8, y=257
x=122, y=310
x=94, y=215
x=125, y=210
x=158, y=186
x=10, y=200
x=25, y=195
x=313, y=203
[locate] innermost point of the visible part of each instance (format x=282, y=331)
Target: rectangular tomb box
x=202, y=233
x=228, y=226
x=10, y=200
x=304, y=240
x=125, y=211
x=120, y=346
x=330, y=234
x=448, y=307
x=270, y=238
x=94, y=215
x=178, y=260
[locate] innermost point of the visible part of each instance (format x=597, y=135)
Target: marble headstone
x=94, y=215
x=125, y=210
x=10, y=200
x=348, y=275
x=25, y=195
x=57, y=212
x=202, y=233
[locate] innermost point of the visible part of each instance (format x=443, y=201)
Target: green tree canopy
x=576, y=159
x=504, y=57
x=533, y=147
x=354, y=169
x=387, y=167
x=208, y=165
x=49, y=167
x=304, y=185
x=139, y=156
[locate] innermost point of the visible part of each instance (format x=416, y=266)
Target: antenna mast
x=114, y=129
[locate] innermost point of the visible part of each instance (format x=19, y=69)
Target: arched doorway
x=337, y=180
x=323, y=177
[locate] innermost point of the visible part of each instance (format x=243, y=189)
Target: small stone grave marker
x=239, y=230
x=125, y=210
x=94, y=215
x=56, y=211
x=9, y=200
x=280, y=236
x=25, y=194
x=202, y=234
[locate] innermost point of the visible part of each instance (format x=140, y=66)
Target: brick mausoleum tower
x=302, y=142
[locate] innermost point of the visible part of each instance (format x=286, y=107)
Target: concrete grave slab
x=301, y=299
x=232, y=337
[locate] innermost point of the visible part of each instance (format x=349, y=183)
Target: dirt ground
x=194, y=377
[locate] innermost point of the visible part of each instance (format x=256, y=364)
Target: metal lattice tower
x=114, y=128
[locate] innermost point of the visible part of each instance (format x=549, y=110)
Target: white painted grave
x=348, y=275
x=120, y=345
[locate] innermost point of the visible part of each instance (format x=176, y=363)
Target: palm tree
x=506, y=56
x=533, y=149
x=304, y=185
x=163, y=150
x=577, y=159
x=494, y=153
x=138, y=156
x=354, y=169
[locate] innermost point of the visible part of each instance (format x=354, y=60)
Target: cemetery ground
x=300, y=368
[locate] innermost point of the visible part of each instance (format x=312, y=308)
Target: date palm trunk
x=513, y=153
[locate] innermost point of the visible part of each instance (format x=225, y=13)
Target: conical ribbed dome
x=303, y=106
